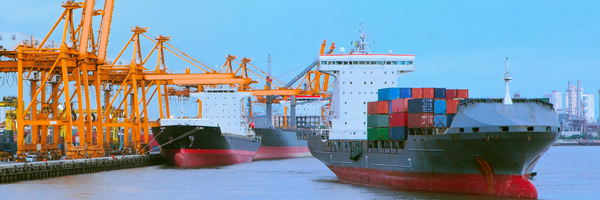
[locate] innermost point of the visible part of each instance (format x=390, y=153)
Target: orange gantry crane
x=81, y=82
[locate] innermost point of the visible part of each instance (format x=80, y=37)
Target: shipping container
x=378, y=121
x=383, y=107
x=451, y=93
x=417, y=93
x=451, y=106
x=372, y=108
x=398, y=119
x=383, y=133
x=463, y=93
x=440, y=121
x=372, y=134
x=428, y=93
x=420, y=105
x=439, y=93
x=420, y=120
x=439, y=106
x=398, y=133
x=449, y=120
x=405, y=93
x=387, y=94
x=399, y=105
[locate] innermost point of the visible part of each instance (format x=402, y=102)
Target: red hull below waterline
x=514, y=186
x=281, y=152
x=207, y=157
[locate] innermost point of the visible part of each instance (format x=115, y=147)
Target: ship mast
x=507, y=78
x=362, y=46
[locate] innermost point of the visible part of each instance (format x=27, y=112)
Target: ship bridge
x=357, y=80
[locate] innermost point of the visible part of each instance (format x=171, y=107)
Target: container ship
x=221, y=136
x=427, y=139
x=281, y=142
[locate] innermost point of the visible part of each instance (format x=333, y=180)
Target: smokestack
x=579, y=99
x=569, y=99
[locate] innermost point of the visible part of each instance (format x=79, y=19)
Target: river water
x=563, y=173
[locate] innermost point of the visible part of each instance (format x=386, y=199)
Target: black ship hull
x=281, y=143
x=497, y=164
x=204, y=146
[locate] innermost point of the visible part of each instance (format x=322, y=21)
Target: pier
x=15, y=172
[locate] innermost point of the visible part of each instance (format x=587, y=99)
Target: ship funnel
x=507, y=78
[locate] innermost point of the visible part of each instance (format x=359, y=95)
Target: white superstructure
x=222, y=106
x=358, y=76
x=306, y=105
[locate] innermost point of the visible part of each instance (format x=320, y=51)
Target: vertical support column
x=167, y=101
x=109, y=118
x=80, y=121
x=160, y=102
x=33, y=116
x=69, y=118
x=55, y=114
x=144, y=119
x=20, y=121
x=99, y=111
x=126, y=118
x=44, y=128
x=136, y=110
x=88, y=118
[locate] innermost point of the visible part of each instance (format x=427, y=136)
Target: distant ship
x=281, y=142
x=489, y=148
x=221, y=137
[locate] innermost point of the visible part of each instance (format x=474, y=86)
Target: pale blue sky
x=458, y=44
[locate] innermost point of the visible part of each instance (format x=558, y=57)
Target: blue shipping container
x=440, y=121
x=398, y=133
x=405, y=93
x=439, y=106
x=420, y=105
x=449, y=120
x=439, y=93
x=387, y=94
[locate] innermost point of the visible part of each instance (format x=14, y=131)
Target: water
x=563, y=173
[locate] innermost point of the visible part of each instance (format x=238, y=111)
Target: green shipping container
x=372, y=134
x=383, y=133
x=378, y=121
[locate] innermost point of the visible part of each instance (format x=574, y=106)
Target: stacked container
x=399, y=110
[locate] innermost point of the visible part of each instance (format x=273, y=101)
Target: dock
x=11, y=172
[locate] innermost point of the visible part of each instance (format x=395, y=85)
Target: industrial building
x=577, y=117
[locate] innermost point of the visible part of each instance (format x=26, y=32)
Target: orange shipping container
x=463, y=94
x=372, y=108
x=383, y=107
x=451, y=105
x=417, y=93
x=428, y=93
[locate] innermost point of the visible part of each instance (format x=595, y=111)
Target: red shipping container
x=451, y=93
x=383, y=107
x=372, y=108
x=428, y=93
x=398, y=119
x=399, y=105
x=463, y=94
x=451, y=106
x=417, y=93
x=420, y=120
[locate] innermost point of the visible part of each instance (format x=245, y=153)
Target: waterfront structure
x=555, y=98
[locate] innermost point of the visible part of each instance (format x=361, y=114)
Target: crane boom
x=106, y=21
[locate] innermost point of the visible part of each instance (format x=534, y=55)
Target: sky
x=457, y=44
